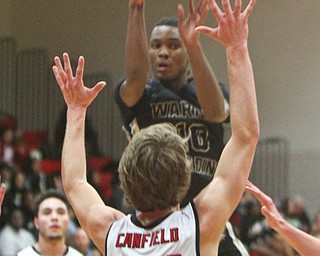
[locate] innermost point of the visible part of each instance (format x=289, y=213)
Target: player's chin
x=55, y=236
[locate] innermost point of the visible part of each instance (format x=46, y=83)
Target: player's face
x=53, y=219
x=168, y=55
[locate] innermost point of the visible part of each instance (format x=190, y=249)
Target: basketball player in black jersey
x=182, y=90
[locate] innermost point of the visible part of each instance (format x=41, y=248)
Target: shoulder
x=28, y=251
x=72, y=252
x=117, y=88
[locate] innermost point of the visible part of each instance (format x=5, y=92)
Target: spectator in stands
x=253, y=228
x=294, y=212
x=300, y=212
x=21, y=151
x=7, y=145
x=28, y=212
x=13, y=236
x=51, y=221
x=91, y=137
x=83, y=243
x=6, y=172
x=36, y=179
x=17, y=189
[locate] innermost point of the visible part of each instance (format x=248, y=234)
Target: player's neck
x=51, y=248
x=148, y=218
x=175, y=84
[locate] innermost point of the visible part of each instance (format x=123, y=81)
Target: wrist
x=76, y=111
x=237, y=52
x=135, y=5
x=193, y=47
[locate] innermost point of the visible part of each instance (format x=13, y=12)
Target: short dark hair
x=167, y=21
x=50, y=193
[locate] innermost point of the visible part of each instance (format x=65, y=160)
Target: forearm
x=73, y=153
x=136, y=46
x=243, y=109
x=302, y=242
x=209, y=93
x=244, y=121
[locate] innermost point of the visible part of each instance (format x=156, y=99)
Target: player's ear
x=36, y=223
x=189, y=72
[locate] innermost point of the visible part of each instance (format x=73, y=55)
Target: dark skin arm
x=209, y=94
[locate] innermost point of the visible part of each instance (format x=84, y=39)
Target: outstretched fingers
x=191, y=6
x=98, y=87
x=227, y=7
x=208, y=31
x=59, y=74
x=67, y=66
x=202, y=9
x=79, y=71
x=237, y=9
x=180, y=14
x=215, y=9
x=249, y=9
x=262, y=198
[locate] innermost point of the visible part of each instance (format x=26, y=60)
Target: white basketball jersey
x=175, y=235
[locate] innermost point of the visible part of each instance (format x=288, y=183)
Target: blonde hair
x=155, y=170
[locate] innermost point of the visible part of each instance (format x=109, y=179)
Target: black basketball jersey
x=181, y=108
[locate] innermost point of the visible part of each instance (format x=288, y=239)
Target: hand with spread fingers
x=269, y=210
x=74, y=91
x=292, y=235
x=232, y=29
x=196, y=17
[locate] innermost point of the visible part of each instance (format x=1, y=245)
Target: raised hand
x=195, y=18
x=232, y=30
x=75, y=93
x=269, y=210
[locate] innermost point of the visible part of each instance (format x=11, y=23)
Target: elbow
x=254, y=133
x=72, y=184
x=137, y=75
x=217, y=117
x=250, y=135
x=67, y=186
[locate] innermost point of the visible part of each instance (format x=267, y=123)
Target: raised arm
x=136, y=55
x=94, y=217
x=219, y=199
x=2, y=193
x=209, y=93
x=302, y=242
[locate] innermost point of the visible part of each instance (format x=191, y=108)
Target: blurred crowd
x=260, y=239
x=21, y=169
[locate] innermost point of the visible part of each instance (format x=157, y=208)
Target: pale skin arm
x=302, y=242
x=94, y=217
x=136, y=55
x=2, y=193
x=219, y=199
x=209, y=93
